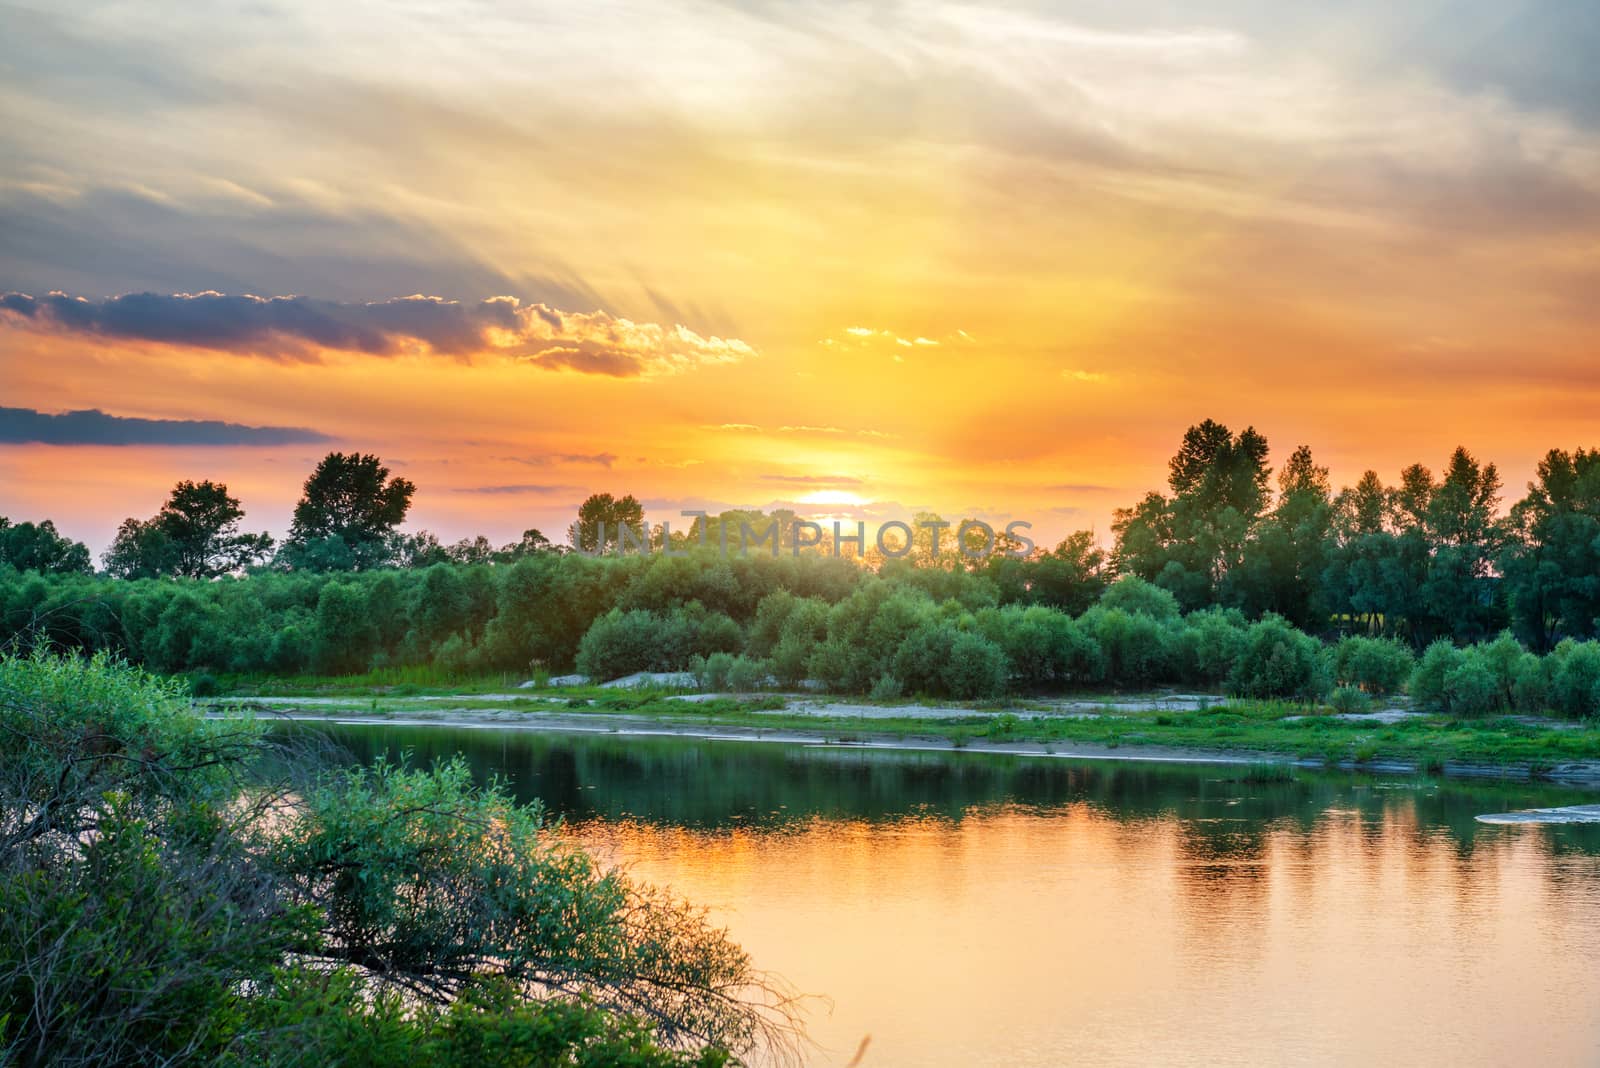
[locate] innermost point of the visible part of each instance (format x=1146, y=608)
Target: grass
x=1273, y=729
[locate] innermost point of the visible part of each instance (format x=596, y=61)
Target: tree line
x=1428, y=559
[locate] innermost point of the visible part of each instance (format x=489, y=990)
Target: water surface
x=975, y=909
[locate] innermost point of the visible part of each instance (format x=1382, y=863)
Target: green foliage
x=39, y=547
x=1427, y=683
x=1470, y=687
x=1375, y=665
x=347, y=513
x=1575, y=682
x=1209, y=644
x=976, y=667
x=163, y=902
x=886, y=688
x=1134, y=595
x=1348, y=700
x=1279, y=661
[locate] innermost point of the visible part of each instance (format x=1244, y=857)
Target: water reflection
x=974, y=909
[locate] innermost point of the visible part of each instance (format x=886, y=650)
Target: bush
x=887, y=688
x=976, y=668
x=1042, y=645
x=204, y=684
x=1575, y=682
x=1470, y=687
x=1426, y=686
x=746, y=674
x=1348, y=700
x=1133, y=647
x=1376, y=665
x=1209, y=645
x=1279, y=661
x=621, y=643
x=1134, y=595
x=1530, y=685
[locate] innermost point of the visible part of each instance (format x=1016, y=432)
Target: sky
x=860, y=260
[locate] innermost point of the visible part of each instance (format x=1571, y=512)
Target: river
x=977, y=909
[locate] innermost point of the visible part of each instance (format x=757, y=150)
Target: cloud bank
x=94, y=427
x=297, y=327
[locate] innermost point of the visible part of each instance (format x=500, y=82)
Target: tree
x=195, y=535
x=1190, y=541
x=614, y=513
x=349, y=498
x=1551, y=561
x=38, y=547
x=141, y=549
x=201, y=524
x=1282, y=566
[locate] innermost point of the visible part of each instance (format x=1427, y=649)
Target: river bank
x=1389, y=741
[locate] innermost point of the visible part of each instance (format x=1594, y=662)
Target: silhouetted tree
x=38, y=547
x=351, y=499
x=614, y=512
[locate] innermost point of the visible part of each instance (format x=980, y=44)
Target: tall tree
x=350, y=499
x=615, y=513
x=1282, y=566
x=141, y=549
x=195, y=535
x=201, y=524
x=1552, y=561
x=1188, y=542
x=39, y=547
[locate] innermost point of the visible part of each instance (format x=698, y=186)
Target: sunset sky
x=855, y=258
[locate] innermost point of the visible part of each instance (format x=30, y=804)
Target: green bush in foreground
x=161, y=902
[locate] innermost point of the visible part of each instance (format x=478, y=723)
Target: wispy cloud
x=814, y=480
x=599, y=459
x=516, y=488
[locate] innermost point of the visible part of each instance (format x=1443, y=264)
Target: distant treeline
x=1427, y=559
x=745, y=623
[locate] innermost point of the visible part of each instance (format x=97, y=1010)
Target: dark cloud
x=94, y=427
x=296, y=327
x=272, y=325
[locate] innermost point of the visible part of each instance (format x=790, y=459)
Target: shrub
x=1575, y=682
x=1530, y=686
x=1502, y=658
x=1376, y=665
x=621, y=643
x=711, y=672
x=204, y=684
x=1133, y=647
x=1134, y=595
x=1470, y=687
x=887, y=688
x=976, y=667
x=1209, y=644
x=1043, y=646
x=921, y=659
x=1426, y=685
x=1348, y=700
x=1279, y=661
x=746, y=674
